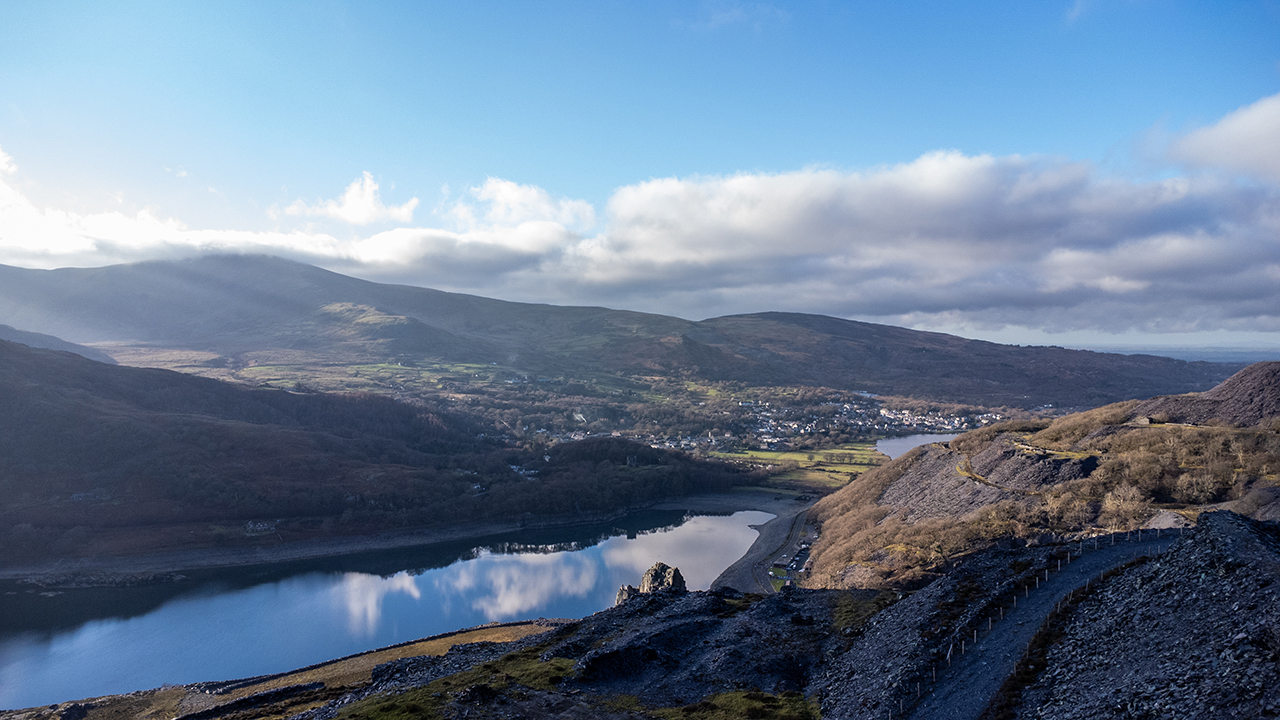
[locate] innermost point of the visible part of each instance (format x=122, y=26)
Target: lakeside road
x=779, y=536
x=106, y=571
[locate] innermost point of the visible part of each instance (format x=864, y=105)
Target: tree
x=1124, y=507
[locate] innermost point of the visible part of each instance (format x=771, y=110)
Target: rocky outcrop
x=945, y=483
x=658, y=578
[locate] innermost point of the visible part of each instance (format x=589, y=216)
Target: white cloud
x=360, y=204
x=945, y=240
x=502, y=203
x=1245, y=141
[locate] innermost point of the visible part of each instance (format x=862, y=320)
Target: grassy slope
x=1139, y=468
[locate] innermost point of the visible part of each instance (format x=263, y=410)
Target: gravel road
x=963, y=690
x=781, y=534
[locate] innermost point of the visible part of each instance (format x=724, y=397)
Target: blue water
x=85, y=643
x=893, y=447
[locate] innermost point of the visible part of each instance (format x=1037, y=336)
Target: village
x=772, y=427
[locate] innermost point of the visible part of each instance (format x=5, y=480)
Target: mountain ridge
x=49, y=342
x=256, y=309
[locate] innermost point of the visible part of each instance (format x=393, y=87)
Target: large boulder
x=658, y=578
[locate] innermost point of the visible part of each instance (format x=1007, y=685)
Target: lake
x=893, y=447
x=245, y=622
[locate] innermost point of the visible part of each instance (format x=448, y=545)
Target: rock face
x=657, y=578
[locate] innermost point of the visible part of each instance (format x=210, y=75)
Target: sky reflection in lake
x=898, y=446
x=221, y=632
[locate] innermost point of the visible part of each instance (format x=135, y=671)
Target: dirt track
x=963, y=691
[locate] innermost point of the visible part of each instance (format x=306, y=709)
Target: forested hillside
x=114, y=459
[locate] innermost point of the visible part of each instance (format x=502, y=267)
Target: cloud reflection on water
x=362, y=595
x=512, y=585
x=702, y=544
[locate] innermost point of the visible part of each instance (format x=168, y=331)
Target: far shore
x=123, y=570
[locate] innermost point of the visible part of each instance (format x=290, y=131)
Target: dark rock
x=659, y=578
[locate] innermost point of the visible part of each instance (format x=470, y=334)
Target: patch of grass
x=355, y=670
x=853, y=611
x=737, y=605
x=520, y=668
x=809, y=480
x=744, y=704
x=856, y=457
x=409, y=706
x=813, y=471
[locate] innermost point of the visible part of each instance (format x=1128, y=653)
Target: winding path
x=963, y=691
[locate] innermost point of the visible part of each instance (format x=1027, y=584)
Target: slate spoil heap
x=1194, y=633
x=1249, y=397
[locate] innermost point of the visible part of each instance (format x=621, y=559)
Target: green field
x=821, y=471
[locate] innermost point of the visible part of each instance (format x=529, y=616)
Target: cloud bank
x=946, y=240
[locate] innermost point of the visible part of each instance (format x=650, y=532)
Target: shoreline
x=167, y=566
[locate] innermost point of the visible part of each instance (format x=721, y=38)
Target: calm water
x=893, y=447
x=85, y=643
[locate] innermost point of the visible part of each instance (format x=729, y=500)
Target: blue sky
x=1079, y=173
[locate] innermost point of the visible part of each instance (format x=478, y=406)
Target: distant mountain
x=234, y=306
x=49, y=342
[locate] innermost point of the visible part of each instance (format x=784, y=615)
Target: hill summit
x=1245, y=399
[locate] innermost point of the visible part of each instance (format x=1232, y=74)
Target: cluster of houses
x=779, y=428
